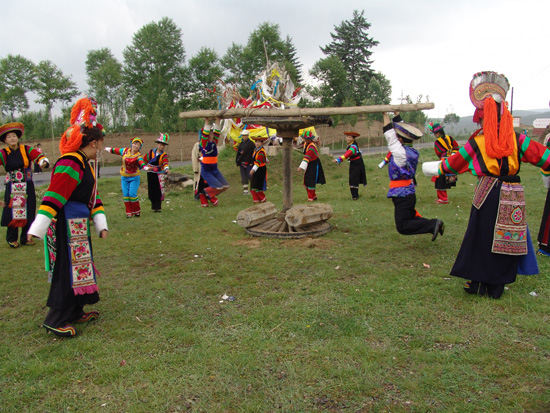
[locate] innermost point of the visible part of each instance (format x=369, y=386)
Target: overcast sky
x=428, y=47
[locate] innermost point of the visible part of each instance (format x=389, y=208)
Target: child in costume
x=357, y=174
x=208, y=145
x=19, y=198
x=244, y=159
x=311, y=165
x=199, y=184
x=497, y=245
x=69, y=204
x=157, y=167
x=401, y=170
x=132, y=162
x=258, y=173
x=444, y=146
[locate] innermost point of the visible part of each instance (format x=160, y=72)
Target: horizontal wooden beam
x=272, y=113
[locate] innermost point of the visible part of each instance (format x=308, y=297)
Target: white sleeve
x=39, y=226
x=546, y=181
x=100, y=223
x=303, y=165
x=431, y=168
x=255, y=168
x=396, y=148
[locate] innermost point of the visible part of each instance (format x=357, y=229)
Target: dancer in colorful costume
x=258, y=173
x=208, y=145
x=132, y=162
x=444, y=146
x=244, y=159
x=19, y=198
x=357, y=175
x=401, y=170
x=64, y=220
x=311, y=165
x=157, y=167
x=497, y=244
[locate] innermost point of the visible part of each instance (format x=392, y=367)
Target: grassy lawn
x=361, y=319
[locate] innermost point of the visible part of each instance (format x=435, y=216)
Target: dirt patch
x=249, y=242
x=320, y=243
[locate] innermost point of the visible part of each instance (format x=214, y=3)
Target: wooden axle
x=273, y=113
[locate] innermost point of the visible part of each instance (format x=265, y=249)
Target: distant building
x=539, y=126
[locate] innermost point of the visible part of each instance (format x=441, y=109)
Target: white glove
x=431, y=168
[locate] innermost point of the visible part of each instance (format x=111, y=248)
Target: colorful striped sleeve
x=67, y=174
x=3, y=157
x=533, y=152
x=34, y=155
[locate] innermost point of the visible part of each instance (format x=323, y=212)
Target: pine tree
x=292, y=63
x=351, y=44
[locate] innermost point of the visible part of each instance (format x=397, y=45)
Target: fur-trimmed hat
x=15, y=127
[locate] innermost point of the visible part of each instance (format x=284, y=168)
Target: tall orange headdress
x=486, y=89
x=83, y=114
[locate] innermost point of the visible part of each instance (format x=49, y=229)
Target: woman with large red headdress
x=497, y=244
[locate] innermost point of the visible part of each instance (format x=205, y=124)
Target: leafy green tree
x=232, y=64
x=153, y=73
x=16, y=80
x=332, y=87
x=105, y=82
x=51, y=86
x=351, y=45
x=204, y=73
x=451, y=118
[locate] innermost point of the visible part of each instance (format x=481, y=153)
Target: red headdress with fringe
x=83, y=114
x=486, y=88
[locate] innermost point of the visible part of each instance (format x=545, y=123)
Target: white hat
x=245, y=132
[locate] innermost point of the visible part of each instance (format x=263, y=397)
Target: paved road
x=112, y=171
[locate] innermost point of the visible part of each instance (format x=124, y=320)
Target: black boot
x=495, y=290
x=475, y=287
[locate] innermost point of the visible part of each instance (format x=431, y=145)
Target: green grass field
x=361, y=319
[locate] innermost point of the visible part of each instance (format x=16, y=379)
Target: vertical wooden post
x=288, y=135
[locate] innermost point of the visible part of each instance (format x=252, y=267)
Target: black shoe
x=495, y=290
x=439, y=229
x=475, y=287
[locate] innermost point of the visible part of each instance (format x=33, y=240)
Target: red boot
x=204, y=200
x=311, y=196
x=261, y=196
x=255, y=197
x=136, y=209
x=128, y=206
x=442, y=197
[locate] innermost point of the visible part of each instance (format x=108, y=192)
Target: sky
x=426, y=47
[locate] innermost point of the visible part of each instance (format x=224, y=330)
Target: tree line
x=155, y=81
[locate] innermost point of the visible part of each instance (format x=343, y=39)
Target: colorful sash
x=50, y=250
x=83, y=279
x=483, y=187
x=510, y=236
x=18, y=201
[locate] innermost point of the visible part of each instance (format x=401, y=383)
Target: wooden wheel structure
x=288, y=122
